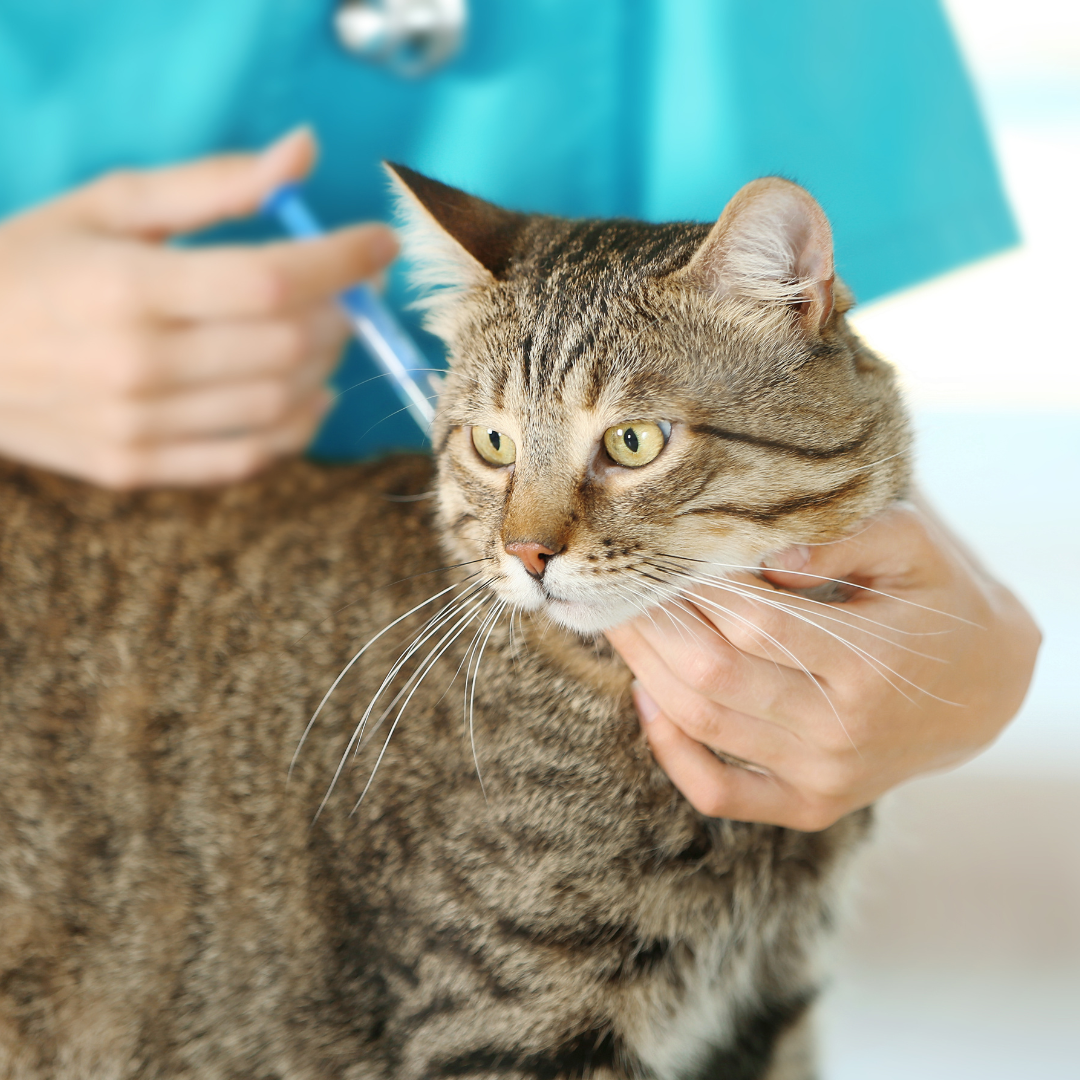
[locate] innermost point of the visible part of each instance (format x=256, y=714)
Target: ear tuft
x=487, y=232
x=773, y=244
x=453, y=241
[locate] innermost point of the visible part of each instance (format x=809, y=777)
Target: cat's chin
x=587, y=619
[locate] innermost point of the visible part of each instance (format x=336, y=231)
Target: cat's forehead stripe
x=767, y=515
x=575, y=289
x=839, y=450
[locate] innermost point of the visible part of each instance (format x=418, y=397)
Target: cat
x=197, y=879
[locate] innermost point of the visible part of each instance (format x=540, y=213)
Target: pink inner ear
x=814, y=265
x=772, y=243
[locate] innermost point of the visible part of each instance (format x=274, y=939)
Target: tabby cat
x=517, y=891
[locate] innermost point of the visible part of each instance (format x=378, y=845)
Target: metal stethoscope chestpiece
x=411, y=37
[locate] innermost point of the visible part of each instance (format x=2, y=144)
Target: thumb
x=185, y=198
x=886, y=546
x=803, y=566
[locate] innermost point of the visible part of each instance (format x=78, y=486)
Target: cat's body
x=522, y=893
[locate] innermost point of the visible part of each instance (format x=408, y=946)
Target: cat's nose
x=533, y=556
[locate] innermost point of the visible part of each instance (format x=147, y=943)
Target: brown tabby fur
x=167, y=906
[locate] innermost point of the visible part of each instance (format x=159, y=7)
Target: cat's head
x=628, y=404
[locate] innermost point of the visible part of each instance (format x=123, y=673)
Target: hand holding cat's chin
x=133, y=363
x=936, y=659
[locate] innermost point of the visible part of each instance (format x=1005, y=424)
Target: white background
x=962, y=955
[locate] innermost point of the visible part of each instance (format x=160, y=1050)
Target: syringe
x=387, y=342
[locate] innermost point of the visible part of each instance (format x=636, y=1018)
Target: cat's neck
x=590, y=660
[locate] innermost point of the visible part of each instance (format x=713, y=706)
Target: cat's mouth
x=575, y=605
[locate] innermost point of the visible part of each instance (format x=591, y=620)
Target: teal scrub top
x=656, y=109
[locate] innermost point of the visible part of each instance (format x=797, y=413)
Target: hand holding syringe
x=388, y=344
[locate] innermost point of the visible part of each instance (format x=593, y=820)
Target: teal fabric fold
x=657, y=109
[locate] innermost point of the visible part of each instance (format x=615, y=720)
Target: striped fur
x=521, y=893
x=784, y=429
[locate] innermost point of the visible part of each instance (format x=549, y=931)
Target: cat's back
x=160, y=655
x=180, y=599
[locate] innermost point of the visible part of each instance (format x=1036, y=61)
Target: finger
x=215, y=410
x=252, y=282
x=705, y=684
x=807, y=634
x=185, y=198
x=717, y=789
x=881, y=553
x=200, y=462
x=198, y=354
x=751, y=740
x=185, y=463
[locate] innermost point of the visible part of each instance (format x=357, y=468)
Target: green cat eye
x=493, y=446
x=634, y=443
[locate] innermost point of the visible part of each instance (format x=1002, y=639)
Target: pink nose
x=533, y=556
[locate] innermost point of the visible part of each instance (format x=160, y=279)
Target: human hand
x=939, y=660
x=131, y=363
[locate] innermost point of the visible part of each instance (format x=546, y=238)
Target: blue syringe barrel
x=375, y=327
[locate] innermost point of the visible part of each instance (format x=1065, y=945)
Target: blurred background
x=961, y=956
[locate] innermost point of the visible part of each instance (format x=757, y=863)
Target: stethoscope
x=410, y=37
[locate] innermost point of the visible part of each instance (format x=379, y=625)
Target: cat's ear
x=458, y=236
x=773, y=244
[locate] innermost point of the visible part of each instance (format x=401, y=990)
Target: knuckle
x=833, y=779
x=817, y=814
x=269, y=287
x=704, y=671
x=292, y=343
x=772, y=698
x=700, y=720
x=119, y=469
x=766, y=624
x=274, y=404
x=753, y=631
x=833, y=739
x=129, y=364
x=708, y=800
x=125, y=424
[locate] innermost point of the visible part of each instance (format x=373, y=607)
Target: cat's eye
x=635, y=442
x=493, y=446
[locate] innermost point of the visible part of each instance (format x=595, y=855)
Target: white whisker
x=875, y=662
x=345, y=670
x=358, y=731
x=877, y=665
x=493, y=620
x=759, y=633
x=429, y=662
x=822, y=577
x=372, y=729
x=784, y=602
x=798, y=597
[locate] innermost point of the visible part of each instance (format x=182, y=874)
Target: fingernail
x=270, y=158
x=790, y=558
x=647, y=709
x=383, y=245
